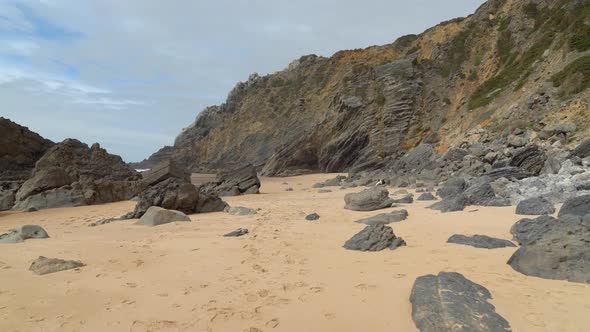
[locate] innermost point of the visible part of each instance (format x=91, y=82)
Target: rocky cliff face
x=511, y=65
x=20, y=149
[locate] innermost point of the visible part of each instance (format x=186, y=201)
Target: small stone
x=44, y=265
x=313, y=216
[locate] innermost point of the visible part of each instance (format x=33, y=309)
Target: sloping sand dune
x=288, y=274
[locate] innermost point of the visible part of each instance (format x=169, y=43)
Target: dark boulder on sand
x=243, y=180
x=44, y=265
x=374, y=198
x=535, y=206
x=480, y=241
x=374, y=238
x=24, y=233
x=385, y=218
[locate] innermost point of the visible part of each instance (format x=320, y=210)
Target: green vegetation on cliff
x=574, y=78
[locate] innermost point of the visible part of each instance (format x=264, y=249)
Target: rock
x=374, y=198
x=20, y=149
x=72, y=174
x=313, y=216
x=527, y=230
x=535, y=206
x=241, y=211
x=158, y=216
x=8, y=191
x=479, y=194
x=385, y=218
x=243, y=180
x=577, y=206
x=417, y=158
x=24, y=233
x=508, y=172
x=238, y=232
x=164, y=170
x=426, y=197
x=450, y=204
x=455, y=154
x=334, y=182
x=288, y=189
x=450, y=302
x=562, y=252
x=403, y=199
x=374, y=238
x=530, y=159
x=44, y=265
x=324, y=191
x=582, y=150
x=452, y=188
x=176, y=194
x=480, y=241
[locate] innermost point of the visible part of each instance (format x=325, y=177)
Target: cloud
x=130, y=74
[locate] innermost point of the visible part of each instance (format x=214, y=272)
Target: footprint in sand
x=365, y=287
x=317, y=289
x=272, y=323
x=253, y=329
x=161, y=325
x=263, y=293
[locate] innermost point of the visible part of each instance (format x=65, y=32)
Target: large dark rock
x=562, y=252
x=333, y=182
x=479, y=194
x=480, y=241
x=176, y=194
x=448, y=302
x=508, y=172
x=8, y=191
x=385, y=218
x=577, y=206
x=164, y=170
x=527, y=230
x=450, y=204
x=24, y=233
x=530, y=159
x=582, y=150
x=44, y=265
x=535, y=206
x=418, y=158
x=426, y=197
x=240, y=181
x=452, y=188
x=20, y=149
x=72, y=174
x=374, y=238
x=374, y=198
x=155, y=216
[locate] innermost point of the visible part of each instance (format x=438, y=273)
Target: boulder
x=155, y=216
x=562, y=252
x=480, y=193
x=418, y=158
x=452, y=187
x=508, y=172
x=164, y=170
x=371, y=199
x=324, y=191
x=176, y=194
x=374, y=238
x=44, y=265
x=577, y=206
x=20, y=149
x=24, y=233
x=313, y=216
x=385, y=218
x=71, y=174
x=237, y=233
x=530, y=159
x=450, y=204
x=528, y=230
x=241, y=211
x=333, y=182
x=8, y=191
x=480, y=241
x=535, y=206
x=582, y=150
x=449, y=302
x=240, y=181
x=426, y=197
x=403, y=199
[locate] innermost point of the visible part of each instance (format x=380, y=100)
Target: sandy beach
x=288, y=274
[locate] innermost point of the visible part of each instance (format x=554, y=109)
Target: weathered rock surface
x=374, y=198
x=241, y=211
x=71, y=174
x=451, y=204
x=450, y=302
x=20, y=149
x=530, y=159
x=164, y=170
x=155, y=216
x=312, y=216
x=176, y=194
x=374, y=238
x=8, y=191
x=239, y=181
x=427, y=197
x=403, y=198
x=44, y=265
x=535, y=206
x=480, y=241
x=237, y=233
x=24, y=233
x=528, y=230
x=385, y=218
x=562, y=252
x=577, y=206
x=334, y=182
x=582, y=150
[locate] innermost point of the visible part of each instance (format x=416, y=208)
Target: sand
x=288, y=274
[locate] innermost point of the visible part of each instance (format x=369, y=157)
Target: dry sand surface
x=288, y=274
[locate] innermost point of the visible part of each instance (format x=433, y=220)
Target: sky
x=130, y=74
